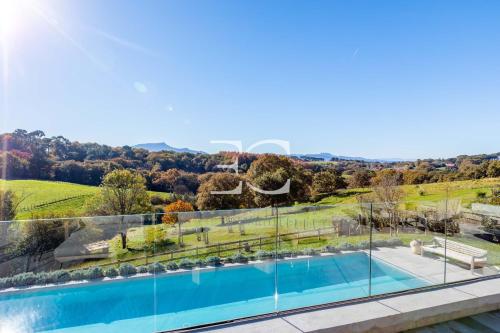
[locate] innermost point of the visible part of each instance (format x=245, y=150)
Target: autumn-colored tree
x=494, y=169
x=413, y=177
x=175, y=181
x=171, y=217
x=360, y=178
x=206, y=199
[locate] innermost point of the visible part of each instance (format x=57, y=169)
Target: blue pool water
x=172, y=301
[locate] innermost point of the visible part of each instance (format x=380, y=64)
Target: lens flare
x=9, y=17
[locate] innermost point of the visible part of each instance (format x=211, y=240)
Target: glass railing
x=160, y=272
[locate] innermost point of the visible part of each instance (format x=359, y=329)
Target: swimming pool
x=177, y=300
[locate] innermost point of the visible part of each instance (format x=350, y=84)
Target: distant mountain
x=162, y=146
x=328, y=157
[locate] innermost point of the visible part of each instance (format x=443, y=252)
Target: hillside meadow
x=52, y=197
x=466, y=191
x=68, y=199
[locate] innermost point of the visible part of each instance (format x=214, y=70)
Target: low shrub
x=156, y=268
x=213, y=261
x=44, y=278
x=142, y=269
x=239, y=258
x=172, y=266
x=5, y=283
x=363, y=245
x=394, y=242
x=200, y=263
x=481, y=195
x=263, y=255
x=379, y=243
x=186, y=264
x=81, y=274
x=310, y=252
x=111, y=272
x=95, y=273
x=23, y=279
x=127, y=269
x=330, y=249
x=284, y=254
x=299, y=252
x=347, y=247
x=61, y=276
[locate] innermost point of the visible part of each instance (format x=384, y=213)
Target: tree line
x=33, y=155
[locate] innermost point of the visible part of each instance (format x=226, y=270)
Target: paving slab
x=350, y=317
x=274, y=325
x=426, y=299
x=481, y=288
x=385, y=315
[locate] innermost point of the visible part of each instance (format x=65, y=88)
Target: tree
x=206, y=200
x=35, y=237
x=7, y=205
x=360, y=178
x=413, y=177
x=171, y=210
x=175, y=181
x=327, y=183
x=271, y=172
x=122, y=193
x=389, y=194
x=494, y=169
x=9, y=202
x=172, y=215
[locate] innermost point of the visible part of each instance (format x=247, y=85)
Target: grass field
x=466, y=191
x=242, y=225
x=51, y=193
x=253, y=224
x=43, y=197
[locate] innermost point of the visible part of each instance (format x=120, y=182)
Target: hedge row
x=94, y=273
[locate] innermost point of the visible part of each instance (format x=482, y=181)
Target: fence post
x=218, y=249
x=260, y=243
x=319, y=235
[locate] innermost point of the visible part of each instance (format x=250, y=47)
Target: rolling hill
x=59, y=198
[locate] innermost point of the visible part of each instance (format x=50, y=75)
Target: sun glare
x=8, y=13
x=12, y=17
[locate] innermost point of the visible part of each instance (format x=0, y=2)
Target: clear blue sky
x=409, y=79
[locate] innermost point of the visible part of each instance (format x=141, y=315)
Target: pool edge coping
x=242, y=322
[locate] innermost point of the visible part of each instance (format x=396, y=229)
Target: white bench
x=460, y=252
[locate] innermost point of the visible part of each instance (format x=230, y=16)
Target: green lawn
x=254, y=223
x=466, y=191
x=37, y=192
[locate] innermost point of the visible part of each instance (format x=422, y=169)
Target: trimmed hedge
x=310, y=252
x=111, y=272
x=330, y=249
x=186, y=264
x=127, y=269
x=156, y=268
x=347, y=247
x=213, y=261
x=142, y=269
x=237, y=258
